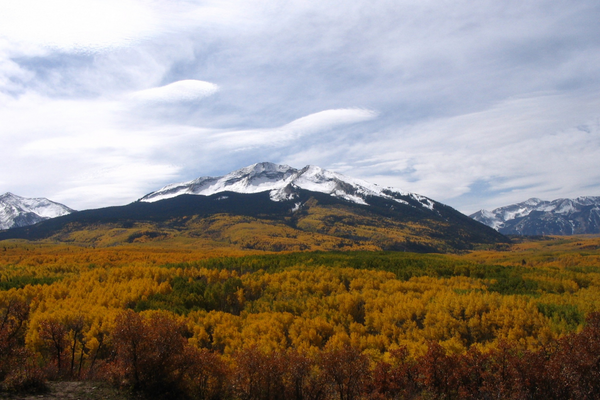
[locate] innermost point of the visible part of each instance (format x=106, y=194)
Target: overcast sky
x=477, y=104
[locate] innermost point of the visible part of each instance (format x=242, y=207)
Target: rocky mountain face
x=539, y=217
x=17, y=211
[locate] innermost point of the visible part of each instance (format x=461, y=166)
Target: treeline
x=151, y=354
x=511, y=278
x=23, y=263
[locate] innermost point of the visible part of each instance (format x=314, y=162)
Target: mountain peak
x=283, y=183
x=17, y=211
x=262, y=167
x=9, y=195
x=283, y=208
x=533, y=201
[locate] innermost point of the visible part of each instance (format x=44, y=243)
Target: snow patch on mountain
x=17, y=211
x=282, y=183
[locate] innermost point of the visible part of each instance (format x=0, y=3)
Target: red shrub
x=347, y=371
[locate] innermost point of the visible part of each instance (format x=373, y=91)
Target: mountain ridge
x=534, y=216
x=274, y=208
x=282, y=182
x=17, y=211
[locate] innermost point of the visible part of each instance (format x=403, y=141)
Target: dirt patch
x=75, y=391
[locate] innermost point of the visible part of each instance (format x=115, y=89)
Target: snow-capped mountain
x=274, y=208
x=539, y=217
x=283, y=182
x=17, y=211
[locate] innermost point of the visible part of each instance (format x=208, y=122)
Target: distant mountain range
x=286, y=194
x=275, y=207
x=539, y=217
x=17, y=211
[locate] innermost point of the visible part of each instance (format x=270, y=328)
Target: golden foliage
x=308, y=308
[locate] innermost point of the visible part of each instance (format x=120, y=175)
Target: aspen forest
x=515, y=321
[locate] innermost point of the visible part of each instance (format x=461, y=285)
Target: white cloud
x=113, y=183
x=88, y=155
x=329, y=118
x=318, y=122
x=60, y=149
x=184, y=90
x=81, y=25
x=520, y=148
x=477, y=104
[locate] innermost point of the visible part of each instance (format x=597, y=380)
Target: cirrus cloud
x=69, y=25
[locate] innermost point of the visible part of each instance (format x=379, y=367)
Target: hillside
x=311, y=221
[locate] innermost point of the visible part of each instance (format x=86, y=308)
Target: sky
x=475, y=104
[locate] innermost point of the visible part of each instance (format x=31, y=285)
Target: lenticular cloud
x=185, y=90
x=329, y=118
